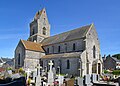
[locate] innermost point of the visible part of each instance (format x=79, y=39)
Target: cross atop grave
x=51, y=64
x=28, y=73
x=38, y=69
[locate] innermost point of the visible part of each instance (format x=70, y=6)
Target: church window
x=44, y=31
x=18, y=59
x=53, y=63
x=68, y=64
x=65, y=47
x=94, y=52
x=58, y=49
x=53, y=48
x=47, y=50
x=73, y=46
x=33, y=32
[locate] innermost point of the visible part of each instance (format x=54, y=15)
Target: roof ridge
x=68, y=31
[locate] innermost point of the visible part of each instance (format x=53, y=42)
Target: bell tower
x=39, y=27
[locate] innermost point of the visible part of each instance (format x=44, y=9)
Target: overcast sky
x=64, y=15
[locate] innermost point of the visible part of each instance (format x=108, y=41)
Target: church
x=75, y=52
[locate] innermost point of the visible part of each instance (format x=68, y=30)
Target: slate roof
x=4, y=59
x=63, y=55
x=32, y=46
x=115, y=59
x=67, y=36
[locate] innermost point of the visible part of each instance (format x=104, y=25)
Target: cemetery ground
x=43, y=77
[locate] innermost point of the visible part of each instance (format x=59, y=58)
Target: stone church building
x=75, y=52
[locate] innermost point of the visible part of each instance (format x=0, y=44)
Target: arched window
x=44, y=31
x=19, y=59
x=47, y=50
x=73, y=46
x=33, y=31
x=68, y=64
x=58, y=49
x=53, y=63
x=94, y=52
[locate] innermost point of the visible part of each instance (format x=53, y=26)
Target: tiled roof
x=32, y=46
x=63, y=55
x=67, y=36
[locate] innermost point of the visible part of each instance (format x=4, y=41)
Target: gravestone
x=80, y=81
x=14, y=76
x=34, y=74
x=94, y=78
x=43, y=72
x=60, y=79
x=54, y=72
x=10, y=72
x=50, y=75
x=28, y=73
x=88, y=80
x=38, y=78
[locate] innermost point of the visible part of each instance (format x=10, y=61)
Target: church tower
x=39, y=27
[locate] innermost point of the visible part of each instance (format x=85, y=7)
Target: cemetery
x=41, y=77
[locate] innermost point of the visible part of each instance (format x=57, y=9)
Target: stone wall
x=19, y=50
x=66, y=47
x=62, y=63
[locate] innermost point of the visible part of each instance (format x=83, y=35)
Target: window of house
x=68, y=64
x=73, y=46
x=47, y=50
x=59, y=49
x=18, y=59
x=53, y=63
x=53, y=48
x=94, y=52
x=44, y=31
x=65, y=47
x=33, y=31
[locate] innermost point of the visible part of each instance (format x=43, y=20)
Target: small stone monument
x=50, y=75
x=54, y=72
x=80, y=81
x=94, y=78
x=60, y=79
x=88, y=80
x=28, y=73
x=38, y=78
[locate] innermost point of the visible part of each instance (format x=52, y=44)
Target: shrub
x=116, y=72
x=105, y=71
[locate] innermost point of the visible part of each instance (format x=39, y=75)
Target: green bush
x=116, y=72
x=105, y=71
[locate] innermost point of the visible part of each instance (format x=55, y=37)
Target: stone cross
x=50, y=74
x=38, y=78
x=38, y=69
x=51, y=64
x=28, y=73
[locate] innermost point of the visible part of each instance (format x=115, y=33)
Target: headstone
x=88, y=80
x=28, y=73
x=34, y=74
x=50, y=75
x=10, y=72
x=94, y=78
x=14, y=76
x=43, y=72
x=54, y=72
x=80, y=81
x=38, y=78
x=60, y=79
